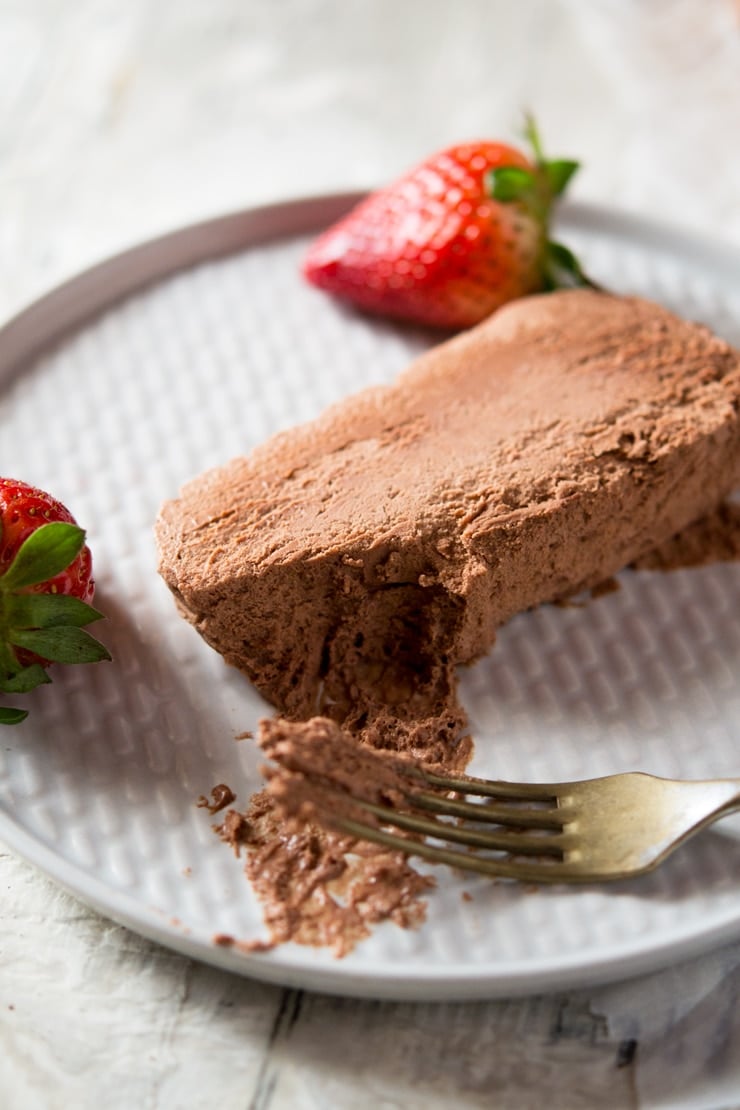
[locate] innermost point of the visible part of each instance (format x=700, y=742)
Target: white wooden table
x=122, y=120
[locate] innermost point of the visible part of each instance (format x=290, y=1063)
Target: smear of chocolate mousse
x=318, y=886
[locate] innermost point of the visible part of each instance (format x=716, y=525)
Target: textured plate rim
x=385, y=979
x=68, y=306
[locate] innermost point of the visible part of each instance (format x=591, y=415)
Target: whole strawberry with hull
x=455, y=238
x=46, y=586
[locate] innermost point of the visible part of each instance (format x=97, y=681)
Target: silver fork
x=567, y=832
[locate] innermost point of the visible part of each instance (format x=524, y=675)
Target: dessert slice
x=347, y=566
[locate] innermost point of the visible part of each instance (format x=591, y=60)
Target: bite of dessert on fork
x=614, y=827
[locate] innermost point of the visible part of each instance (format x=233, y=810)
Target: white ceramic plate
x=186, y=351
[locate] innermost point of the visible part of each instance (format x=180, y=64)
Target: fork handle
x=732, y=803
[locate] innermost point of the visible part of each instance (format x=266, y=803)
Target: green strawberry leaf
x=48, y=611
x=559, y=173
x=45, y=553
x=60, y=645
x=10, y=716
x=24, y=680
x=508, y=183
x=563, y=270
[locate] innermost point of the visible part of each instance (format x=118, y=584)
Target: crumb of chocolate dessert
x=234, y=830
x=221, y=795
x=257, y=945
x=223, y=940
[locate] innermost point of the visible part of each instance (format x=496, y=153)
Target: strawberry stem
x=532, y=135
x=536, y=190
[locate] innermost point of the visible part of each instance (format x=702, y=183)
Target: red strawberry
x=458, y=236
x=46, y=586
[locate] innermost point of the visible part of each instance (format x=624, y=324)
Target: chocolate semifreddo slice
x=351, y=562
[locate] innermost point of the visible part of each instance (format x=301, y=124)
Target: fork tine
x=489, y=788
x=503, y=840
x=546, y=871
x=552, y=818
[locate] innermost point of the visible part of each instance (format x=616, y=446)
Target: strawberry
x=452, y=240
x=46, y=587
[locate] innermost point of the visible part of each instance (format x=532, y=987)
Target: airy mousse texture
x=348, y=565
